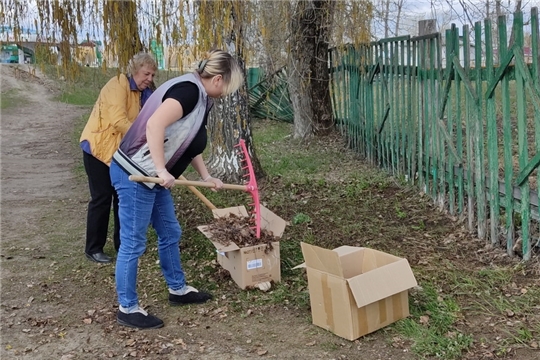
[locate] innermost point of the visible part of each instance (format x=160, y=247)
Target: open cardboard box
x=250, y=265
x=354, y=291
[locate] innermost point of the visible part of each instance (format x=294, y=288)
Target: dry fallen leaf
x=262, y=352
x=424, y=319
x=130, y=342
x=181, y=343
x=239, y=230
x=87, y=321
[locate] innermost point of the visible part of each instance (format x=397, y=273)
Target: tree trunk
x=308, y=68
x=230, y=120
x=275, y=24
x=399, y=5
x=387, y=19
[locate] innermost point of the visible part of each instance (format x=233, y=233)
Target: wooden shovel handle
x=200, y=195
x=157, y=180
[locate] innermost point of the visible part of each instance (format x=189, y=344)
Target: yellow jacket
x=114, y=111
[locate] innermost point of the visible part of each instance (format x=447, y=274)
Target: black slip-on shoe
x=192, y=297
x=139, y=320
x=99, y=257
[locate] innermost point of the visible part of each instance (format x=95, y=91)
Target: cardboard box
x=250, y=265
x=354, y=291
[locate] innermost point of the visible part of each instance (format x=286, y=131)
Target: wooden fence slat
x=393, y=106
x=370, y=115
x=434, y=152
x=386, y=135
x=523, y=176
x=441, y=139
x=433, y=113
x=469, y=143
x=463, y=74
x=523, y=152
x=535, y=43
x=479, y=138
x=459, y=122
x=507, y=138
x=507, y=59
x=449, y=77
x=492, y=141
x=415, y=102
x=403, y=109
x=380, y=107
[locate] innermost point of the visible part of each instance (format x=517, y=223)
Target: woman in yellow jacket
x=117, y=106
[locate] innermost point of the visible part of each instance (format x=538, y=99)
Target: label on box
x=254, y=264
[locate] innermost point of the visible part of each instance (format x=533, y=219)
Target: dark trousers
x=102, y=194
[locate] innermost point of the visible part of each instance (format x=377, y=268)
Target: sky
x=444, y=14
x=413, y=11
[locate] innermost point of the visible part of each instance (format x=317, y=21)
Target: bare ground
x=57, y=305
x=48, y=312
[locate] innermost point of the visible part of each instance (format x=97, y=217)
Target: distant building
x=7, y=34
x=89, y=53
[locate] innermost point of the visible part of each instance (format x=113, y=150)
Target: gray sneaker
x=192, y=296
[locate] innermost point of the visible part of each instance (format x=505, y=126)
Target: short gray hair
x=139, y=60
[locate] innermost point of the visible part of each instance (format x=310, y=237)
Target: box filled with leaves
x=249, y=260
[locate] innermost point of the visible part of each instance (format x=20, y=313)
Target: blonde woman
x=117, y=106
x=168, y=135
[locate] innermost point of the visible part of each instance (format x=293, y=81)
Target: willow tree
x=308, y=68
x=64, y=22
x=311, y=28
x=195, y=26
x=121, y=28
x=222, y=24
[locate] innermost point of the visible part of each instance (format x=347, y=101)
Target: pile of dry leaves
x=240, y=230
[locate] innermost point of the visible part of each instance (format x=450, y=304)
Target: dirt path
x=39, y=200
x=57, y=305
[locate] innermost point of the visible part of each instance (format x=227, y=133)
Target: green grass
x=81, y=85
x=11, y=99
x=431, y=327
x=331, y=198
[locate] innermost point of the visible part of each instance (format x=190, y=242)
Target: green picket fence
x=458, y=115
x=269, y=95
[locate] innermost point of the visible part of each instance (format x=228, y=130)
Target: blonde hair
x=219, y=62
x=139, y=60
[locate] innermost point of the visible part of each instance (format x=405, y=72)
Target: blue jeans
x=138, y=207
